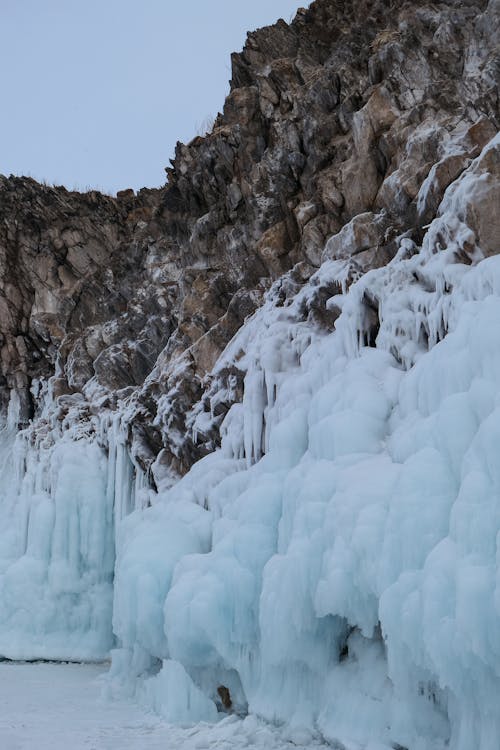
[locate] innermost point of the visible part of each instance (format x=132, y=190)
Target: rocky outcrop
x=346, y=125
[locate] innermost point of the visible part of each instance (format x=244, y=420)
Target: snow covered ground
x=59, y=706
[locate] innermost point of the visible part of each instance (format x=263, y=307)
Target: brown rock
x=331, y=127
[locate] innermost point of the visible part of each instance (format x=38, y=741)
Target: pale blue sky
x=96, y=92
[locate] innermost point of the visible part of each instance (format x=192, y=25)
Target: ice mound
x=173, y=695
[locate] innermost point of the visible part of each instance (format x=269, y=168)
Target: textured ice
x=60, y=501
x=351, y=582
x=334, y=565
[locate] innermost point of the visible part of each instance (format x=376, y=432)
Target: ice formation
x=334, y=565
x=337, y=565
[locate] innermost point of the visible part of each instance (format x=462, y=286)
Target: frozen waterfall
x=62, y=495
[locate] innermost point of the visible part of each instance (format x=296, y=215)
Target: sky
x=95, y=93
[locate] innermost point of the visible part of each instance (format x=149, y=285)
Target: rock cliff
x=333, y=124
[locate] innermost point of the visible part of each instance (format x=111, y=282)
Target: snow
x=334, y=566
x=56, y=706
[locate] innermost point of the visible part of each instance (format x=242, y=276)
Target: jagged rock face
x=76, y=290
x=332, y=126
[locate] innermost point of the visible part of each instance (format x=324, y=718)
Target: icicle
x=254, y=403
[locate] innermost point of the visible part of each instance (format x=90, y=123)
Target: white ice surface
x=60, y=706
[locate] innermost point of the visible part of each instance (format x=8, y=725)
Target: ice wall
x=335, y=565
x=62, y=492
